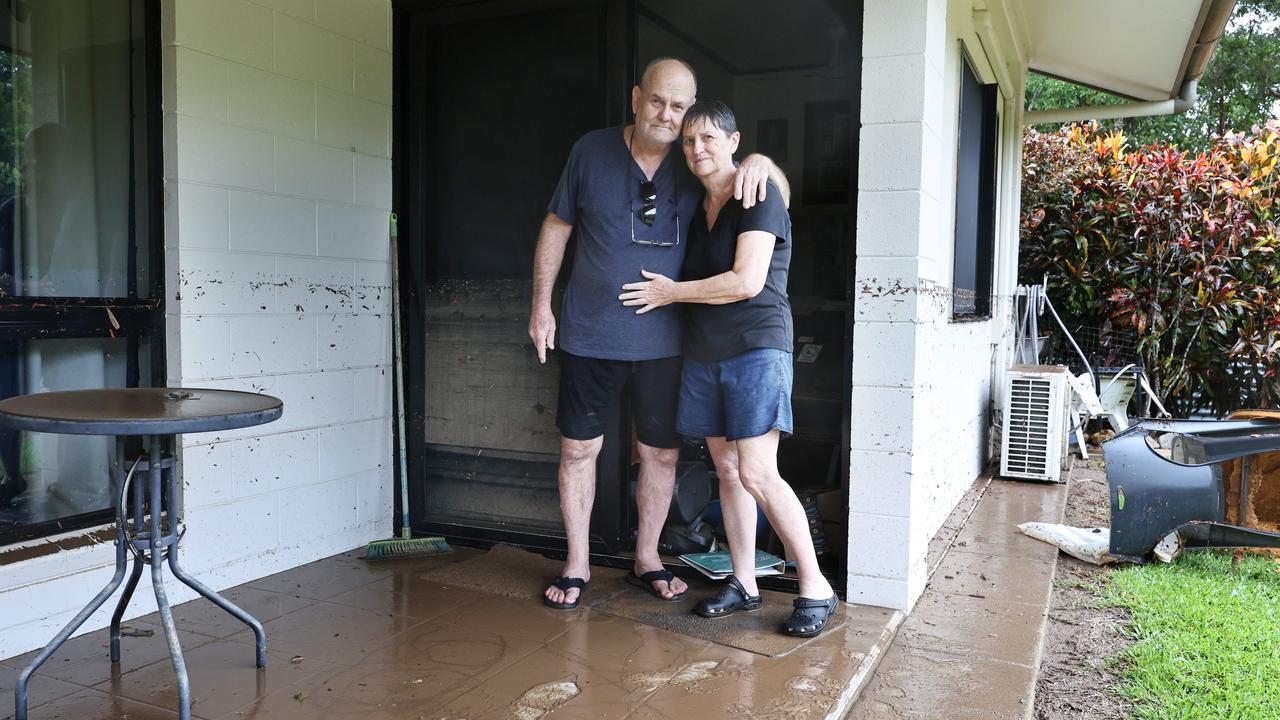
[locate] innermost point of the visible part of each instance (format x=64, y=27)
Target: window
x=81, y=290
x=976, y=165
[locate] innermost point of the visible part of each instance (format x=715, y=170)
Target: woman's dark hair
x=714, y=112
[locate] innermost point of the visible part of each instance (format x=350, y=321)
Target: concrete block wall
x=277, y=146
x=278, y=174
x=961, y=385
x=921, y=381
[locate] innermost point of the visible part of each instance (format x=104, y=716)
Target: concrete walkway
x=350, y=639
x=971, y=648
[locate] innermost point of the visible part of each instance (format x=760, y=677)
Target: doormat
x=756, y=632
x=510, y=571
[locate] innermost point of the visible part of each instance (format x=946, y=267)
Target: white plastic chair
x=1111, y=404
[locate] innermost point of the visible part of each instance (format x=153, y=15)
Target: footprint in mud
x=679, y=674
x=542, y=699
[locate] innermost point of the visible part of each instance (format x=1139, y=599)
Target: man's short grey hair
x=658, y=61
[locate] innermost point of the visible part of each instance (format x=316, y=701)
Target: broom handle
x=398, y=372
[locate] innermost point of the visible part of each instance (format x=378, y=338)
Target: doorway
x=490, y=96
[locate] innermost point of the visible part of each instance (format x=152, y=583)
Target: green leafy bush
x=1179, y=247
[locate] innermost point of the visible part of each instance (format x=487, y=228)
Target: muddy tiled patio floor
x=347, y=639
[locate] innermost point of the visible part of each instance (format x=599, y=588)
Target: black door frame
x=408, y=165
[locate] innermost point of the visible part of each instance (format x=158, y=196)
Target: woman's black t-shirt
x=719, y=332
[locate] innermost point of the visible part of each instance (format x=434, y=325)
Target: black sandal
x=565, y=584
x=647, y=580
x=810, y=616
x=731, y=598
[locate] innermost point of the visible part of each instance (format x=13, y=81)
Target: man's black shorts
x=590, y=388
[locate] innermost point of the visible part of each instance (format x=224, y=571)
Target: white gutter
x=987, y=37
x=1180, y=104
x=1210, y=27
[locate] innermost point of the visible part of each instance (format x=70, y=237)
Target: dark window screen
x=975, y=196
x=507, y=101
x=496, y=103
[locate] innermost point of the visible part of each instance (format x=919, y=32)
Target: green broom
x=406, y=545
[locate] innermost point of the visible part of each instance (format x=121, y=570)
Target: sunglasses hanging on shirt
x=648, y=213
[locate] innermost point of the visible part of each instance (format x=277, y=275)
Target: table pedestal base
x=150, y=544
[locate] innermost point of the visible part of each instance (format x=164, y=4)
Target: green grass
x=1207, y=639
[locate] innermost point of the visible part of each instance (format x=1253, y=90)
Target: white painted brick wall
x=890, y=154
x=277, y=118
x=921, y=382
x=886, y=289
x=889, y=223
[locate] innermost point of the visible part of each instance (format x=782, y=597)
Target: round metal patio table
x=157, y=415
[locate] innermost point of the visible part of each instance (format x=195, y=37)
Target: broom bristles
x=418, y=547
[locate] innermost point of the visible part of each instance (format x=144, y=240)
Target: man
x=630, y=199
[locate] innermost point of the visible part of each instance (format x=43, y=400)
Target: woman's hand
x=656, y=291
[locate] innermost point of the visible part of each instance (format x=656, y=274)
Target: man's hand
x=552, y=239
x=752, y=180
x=542, y=330
x=656, y=291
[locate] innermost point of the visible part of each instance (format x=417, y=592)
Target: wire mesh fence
x=1107, y=348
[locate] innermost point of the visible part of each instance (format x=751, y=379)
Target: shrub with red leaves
x=1179, y=247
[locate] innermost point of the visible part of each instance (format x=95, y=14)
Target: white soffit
x=1128, y=47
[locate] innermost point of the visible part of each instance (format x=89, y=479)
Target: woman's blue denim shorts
x=742, y=397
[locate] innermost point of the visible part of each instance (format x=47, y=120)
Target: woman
x=736, y=384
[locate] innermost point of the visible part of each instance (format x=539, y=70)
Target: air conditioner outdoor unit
x=1034, y=446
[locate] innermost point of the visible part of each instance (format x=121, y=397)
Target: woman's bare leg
x=739, y=511
x=758, y=471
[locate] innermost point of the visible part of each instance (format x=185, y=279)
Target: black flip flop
x=565, y=584
x=647, y=580
x=809, y=617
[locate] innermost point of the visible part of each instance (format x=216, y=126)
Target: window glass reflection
x=65, y=148
x=47, y=476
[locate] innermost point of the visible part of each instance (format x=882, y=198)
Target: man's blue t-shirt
x=598, y=194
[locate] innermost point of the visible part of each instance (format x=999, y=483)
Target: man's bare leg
x=653, y=501
x=577, y=494
x=758, y=468
x=738, y=509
